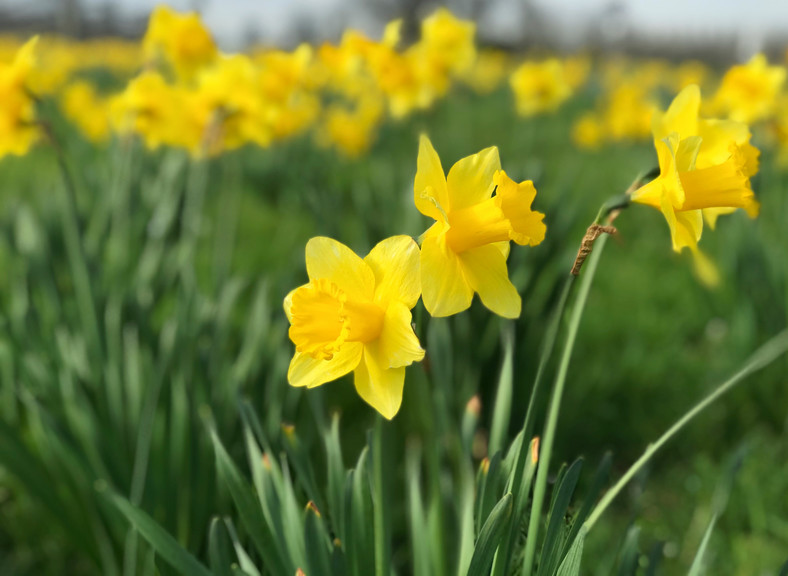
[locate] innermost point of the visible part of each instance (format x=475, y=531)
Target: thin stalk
x=548, y=436
x=762, y=357
x=382, y=545
x=501, y=563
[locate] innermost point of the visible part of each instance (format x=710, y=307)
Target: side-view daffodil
x=18, y=128
x=705, y=167
x=477, y=209
x=354, y=316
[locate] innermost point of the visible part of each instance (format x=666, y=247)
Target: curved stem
x=765, y=355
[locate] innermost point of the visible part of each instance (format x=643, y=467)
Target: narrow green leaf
x=162, y=541
x=249, y=510
x=503, y=397
x=419, y=531
x=244, y=560
x=336, y=478
x=491, y=536
x=359, y=543
x=380, y=472
x=597, y=483
x=550, y=556
x=316, y=541
x=696, y=569
x=570, y=566
x=489, y=489
x=219, y=549
x=629, y=553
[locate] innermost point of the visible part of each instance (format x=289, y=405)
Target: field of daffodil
x=395, y=305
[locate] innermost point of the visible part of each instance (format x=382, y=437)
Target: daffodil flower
x=18, y=128
x=354, y=316
x=477, y=209
x=705, y=168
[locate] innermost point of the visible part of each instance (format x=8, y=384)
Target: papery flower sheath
x=477, y=209
x=354, y=316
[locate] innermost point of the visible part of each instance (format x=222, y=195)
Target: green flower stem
x=764, y=356
x=380, y=495
x=548, y=436
x=500, y=566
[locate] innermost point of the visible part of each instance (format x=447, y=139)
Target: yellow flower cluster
x=749, y=93
x=354, y=314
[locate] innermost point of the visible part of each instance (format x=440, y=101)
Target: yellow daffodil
x=748, y=93
x=449, y=40
x=488, y=71
x=705, y=168
x=587, y=131
x=155, y=110
x=181, y=39
x=477, y=209
x=540, y=87
x=628, y=112
x=351, y=131
x=85, y=108
x=18, y=129
x=354, y=316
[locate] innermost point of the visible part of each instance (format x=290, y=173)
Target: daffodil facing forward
x=354, y=316
x=478, y=209
x=705, y=167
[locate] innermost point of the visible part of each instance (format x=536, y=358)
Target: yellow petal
x=681, y=116
x=504, y=247
x=327, y=258
x=485, y=269
x=395, y=264
x=379, y=387
x=710, y=215
x=310, y=372
x=718, y=135
x=444, y=289
x=470, y=180
x=685, y=227
x=288, y=304
x=429, y=187
x=398, y=344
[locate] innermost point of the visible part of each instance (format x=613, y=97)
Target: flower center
x=323, y=319
x=477, y=225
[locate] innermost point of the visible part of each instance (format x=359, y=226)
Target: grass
x=187, y=293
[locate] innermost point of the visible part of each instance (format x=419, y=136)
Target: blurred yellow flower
x=465, y=250
x=354, y=316
x=488, y=71
x=449, y=40
x=155, y=110
x=181, y=39
x=705, y=166
x=628, y=112
x=87, y=110
x=748, y=93
x=351, y=130
x=540, y=86
x=18, y=128
x=587, y=131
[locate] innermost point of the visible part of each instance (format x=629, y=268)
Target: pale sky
x=276, y=19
